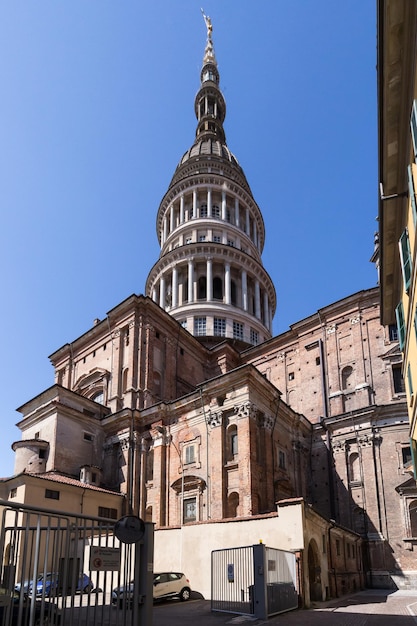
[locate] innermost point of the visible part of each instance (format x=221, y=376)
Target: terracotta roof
x=68, y=480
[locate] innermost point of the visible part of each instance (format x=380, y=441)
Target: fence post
x=260, y=602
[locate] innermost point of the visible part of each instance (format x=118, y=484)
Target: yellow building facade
x=397, y=153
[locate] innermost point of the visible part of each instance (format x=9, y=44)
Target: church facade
x=180, y=406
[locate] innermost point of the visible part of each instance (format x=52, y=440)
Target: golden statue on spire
x=209, y=25
x=209, y=56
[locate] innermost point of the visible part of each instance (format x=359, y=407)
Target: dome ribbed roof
x=209, y=147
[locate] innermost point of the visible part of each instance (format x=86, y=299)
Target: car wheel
x=185, y=594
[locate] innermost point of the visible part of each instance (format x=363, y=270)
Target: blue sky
x=97, y=108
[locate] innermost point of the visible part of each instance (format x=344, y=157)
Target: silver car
x=165, y=585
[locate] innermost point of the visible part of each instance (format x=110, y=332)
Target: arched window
x=354, y=467
x=202, y=288
x=233, y=292
x=217, y=288
x=412, y=509
x=347, y=378
x=232, y=442
x=125, y=379
x=98, y=397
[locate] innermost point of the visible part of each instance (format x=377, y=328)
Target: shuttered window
x=413, y=124
x=399, y=314
x=412, y=192
x=405, y=255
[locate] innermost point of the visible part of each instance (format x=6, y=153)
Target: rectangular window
x=393, y=332
x=406, y=455
x=217, y=238
x=13, y=492
x=399, y=314
x=183, y=323
x=337, y=547
x=281, y=460
x=188, y=240
x=42, y=453
x=189, y=454
x=323, y=543
x=88, y=437
x=237, y=330
x=199, y=326
x=104, y=511
x=203, y=210
x=413, y=124
x=190, y=510
x=398, y=379
x=412, y=192
x=219, y=327
x=254, y=337
x=405, y=256
x=202, y=238
x=51, y=494
x=231, y=243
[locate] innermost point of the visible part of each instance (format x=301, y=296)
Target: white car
x=165, y=585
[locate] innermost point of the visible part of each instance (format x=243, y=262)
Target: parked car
x=51, y=582
x=46, y=613
x=25, y=585
x=165, y=585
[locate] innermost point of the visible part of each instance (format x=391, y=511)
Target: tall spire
x=210, y=107
x=209, y=56
x=209, y=275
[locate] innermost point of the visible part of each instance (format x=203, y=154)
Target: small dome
x=209, y=147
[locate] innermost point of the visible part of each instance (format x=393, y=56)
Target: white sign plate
x=104, y=559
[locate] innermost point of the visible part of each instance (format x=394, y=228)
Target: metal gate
x=253, y=580
x=59, y=568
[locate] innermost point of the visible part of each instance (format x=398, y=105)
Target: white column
x=162, y=292
x=195, y=203
x=247, y=222
x=209, y=202
x=174, y=286
x=182, y=209
x=223, y=205
x=255, y=234
x=171, y=219
x=190, y=281
x=209, y=279
x=257, y=300
x=237, y=216
x=154, y=295
x=244, y=290
x=227, y=284
x=266, y=309
x=165, y=230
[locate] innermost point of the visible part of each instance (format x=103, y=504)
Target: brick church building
x=181, y=407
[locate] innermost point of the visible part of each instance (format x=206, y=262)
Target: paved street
x=367, y=608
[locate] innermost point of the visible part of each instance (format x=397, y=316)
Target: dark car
x=16, y=609
x=52, y=583
x=165, y=585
